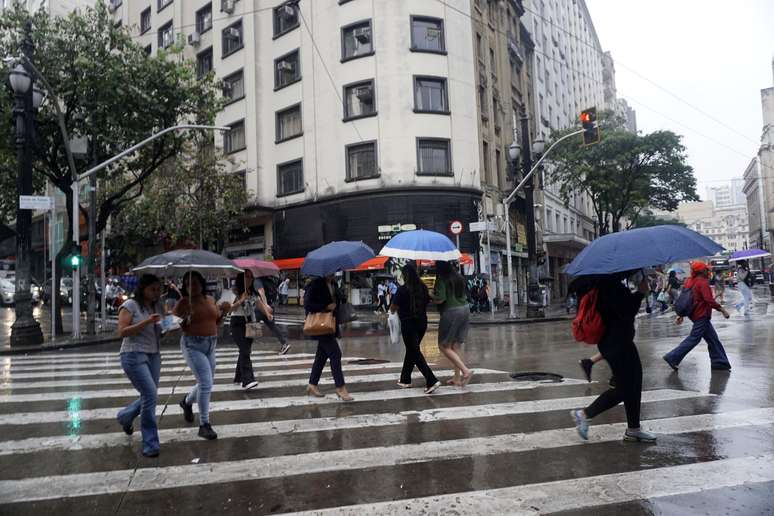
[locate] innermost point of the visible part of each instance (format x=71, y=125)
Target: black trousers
x=327, y=349
x=273, y=328
x=413, y=330
x=624, y=360
x=244, y=366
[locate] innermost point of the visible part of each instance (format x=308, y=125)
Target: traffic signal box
x=588, y=118
x=73, y=260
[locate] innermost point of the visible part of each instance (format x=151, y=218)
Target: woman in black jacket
x=618, y=306
x=321, y=296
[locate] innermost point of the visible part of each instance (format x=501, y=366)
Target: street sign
x=36, y=202
x=455, y=227
x=483, y=226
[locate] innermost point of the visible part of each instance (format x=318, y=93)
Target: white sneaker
x=404, y=385
x=250, y=385
x=433, y=388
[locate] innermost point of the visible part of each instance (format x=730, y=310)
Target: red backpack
x=588, y=326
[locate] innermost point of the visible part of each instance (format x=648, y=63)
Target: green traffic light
x=75, y=261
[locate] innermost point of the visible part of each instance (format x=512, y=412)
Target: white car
x=8, y=292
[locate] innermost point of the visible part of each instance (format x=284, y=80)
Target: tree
x=647, y=219
x=111, y=91
x=624, y=173
x=193, y=201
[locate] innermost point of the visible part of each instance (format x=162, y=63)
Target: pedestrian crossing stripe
x=456, y=413
x=68, y=357
x=578, y=493
x=30, y=418
x=109, y=359
x=167, y=477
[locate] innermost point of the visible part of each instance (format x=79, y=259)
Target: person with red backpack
x=700, y=312
x=617, y=308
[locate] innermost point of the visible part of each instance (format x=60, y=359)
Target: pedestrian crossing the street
x=496, y=446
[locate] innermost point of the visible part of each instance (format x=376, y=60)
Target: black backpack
x=684, y=303
x=748, y=280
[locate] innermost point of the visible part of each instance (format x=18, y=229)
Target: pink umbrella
x=258, y=267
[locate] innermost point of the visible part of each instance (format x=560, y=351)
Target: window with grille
x=430, y=95
x=290, y=178
x=161, y=4
x=359, y=100
x=166, y=35
x=361, y=161
x=288, y=124
x=145, y=21
x=434, y=157
x=285, y=19
x=234, y=140
x=287, y=70
x=204, y=63
x=232, y=38
x=234, y=86
x=356, y=41
x=204, y=19
x=427, y=34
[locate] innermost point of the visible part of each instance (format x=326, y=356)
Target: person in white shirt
x=283, y=291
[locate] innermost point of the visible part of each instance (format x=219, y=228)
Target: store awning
x=286, y=264
x=565, y=240
x=374, y=264
x=465, y=259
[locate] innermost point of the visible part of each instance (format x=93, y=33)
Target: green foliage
x=193, y=201
x=647, y=219
x=624, y=173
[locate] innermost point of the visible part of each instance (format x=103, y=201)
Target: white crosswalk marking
x=275, y=433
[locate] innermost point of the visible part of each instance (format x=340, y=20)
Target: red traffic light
x=585, y=116
x=588, y=118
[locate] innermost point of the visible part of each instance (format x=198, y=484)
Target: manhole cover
x=534, y=376
x=366, y=361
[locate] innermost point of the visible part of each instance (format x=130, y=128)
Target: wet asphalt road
x=496, y=447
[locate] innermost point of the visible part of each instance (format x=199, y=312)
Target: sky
x=714, y=55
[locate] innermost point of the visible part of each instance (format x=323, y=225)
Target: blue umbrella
x=637, y=248
x=421, y=245
x=334, y=257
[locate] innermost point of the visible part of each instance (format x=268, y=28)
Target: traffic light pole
x=506, y=204
x=76, y=209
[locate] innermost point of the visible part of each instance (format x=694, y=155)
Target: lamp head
x=38, y=96
x=514, y=151
x=538, y=146
x=20, y=80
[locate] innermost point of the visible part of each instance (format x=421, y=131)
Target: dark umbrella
x=334, y=257
x=639, y=248
x=180, y=261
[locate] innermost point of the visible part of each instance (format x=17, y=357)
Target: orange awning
x=374, y=264
x=465, y=259
x=289, y=263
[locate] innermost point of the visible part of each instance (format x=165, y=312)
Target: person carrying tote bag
x=321, y=303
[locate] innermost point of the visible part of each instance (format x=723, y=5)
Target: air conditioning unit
x=114, y=5
x=194, y=38
x=284, y=66
x=288, y=11
x=363, y=34
x=227, y=89
x=227, y=6
x=364, y=93
x=433, y=33
x=234, y=33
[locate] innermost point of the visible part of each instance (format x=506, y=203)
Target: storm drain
x=367, y=361
x=536, y=376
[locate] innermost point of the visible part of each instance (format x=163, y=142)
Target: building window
x=287, y=70
x=498, y=163
x=290, y=178
x=161, y=4
x=485, y=157
x=285, y=19
x=232, y=38
x=288, y=123
x=356, y=41
x=148, y=50
x=234, y=140
x=203, y=63
x=430, y=95
x=434, y=157
x=359, y=100
x=227, y=6
x=427, y=35
x=234, y=86
x=145, y=21
x=204, y=19
x=166, y=35
x=361, y=161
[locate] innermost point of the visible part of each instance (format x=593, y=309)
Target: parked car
x=7, y=292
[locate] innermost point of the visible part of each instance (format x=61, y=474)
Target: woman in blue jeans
x=138, y=320
x=201, y=317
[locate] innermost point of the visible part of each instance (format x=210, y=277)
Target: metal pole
x=103, y=300
x=511, y=302
x=75, y=306
x=489, y=268
x=52, y=238
x=534, y=306
x=91, y=323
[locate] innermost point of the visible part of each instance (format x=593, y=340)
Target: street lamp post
x=25, y=330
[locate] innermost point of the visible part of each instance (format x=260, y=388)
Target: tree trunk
x=616, y=224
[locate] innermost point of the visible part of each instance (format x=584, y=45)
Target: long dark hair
x=240, y=285
x=198, y=277
x=146, y=280
x=452, y=276
x=418, y=294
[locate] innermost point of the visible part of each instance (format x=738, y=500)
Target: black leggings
x=413, y=330
x=624, y=360
x=244, y=366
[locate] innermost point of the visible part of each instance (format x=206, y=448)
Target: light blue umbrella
x=639, y=248
x=336, y=256
x=748, y=254
x=421, y=245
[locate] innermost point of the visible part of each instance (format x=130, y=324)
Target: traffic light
x=74, y=260
x=588, y=118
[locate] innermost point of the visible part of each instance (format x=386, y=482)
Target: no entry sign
x=455, y=227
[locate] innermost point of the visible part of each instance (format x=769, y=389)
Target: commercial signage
x=483, y=226
x=388, y=231
x=36, y=202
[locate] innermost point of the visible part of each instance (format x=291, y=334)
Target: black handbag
x=346, y=313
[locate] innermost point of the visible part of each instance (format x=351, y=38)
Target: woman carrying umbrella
x=455, y=319
x=201, y=317
x=242, y=312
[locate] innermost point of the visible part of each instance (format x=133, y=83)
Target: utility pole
x=534, y=303
x=91, y=263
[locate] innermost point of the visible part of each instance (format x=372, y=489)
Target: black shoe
x=673, y=366
x=128, y=429
x=721, y=367
x=586, y=364
x=611, y=382
x=151, y=454
x=187, y=410
x=207, y=432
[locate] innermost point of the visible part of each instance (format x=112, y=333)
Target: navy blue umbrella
x=334, y=257
x=638, y=248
